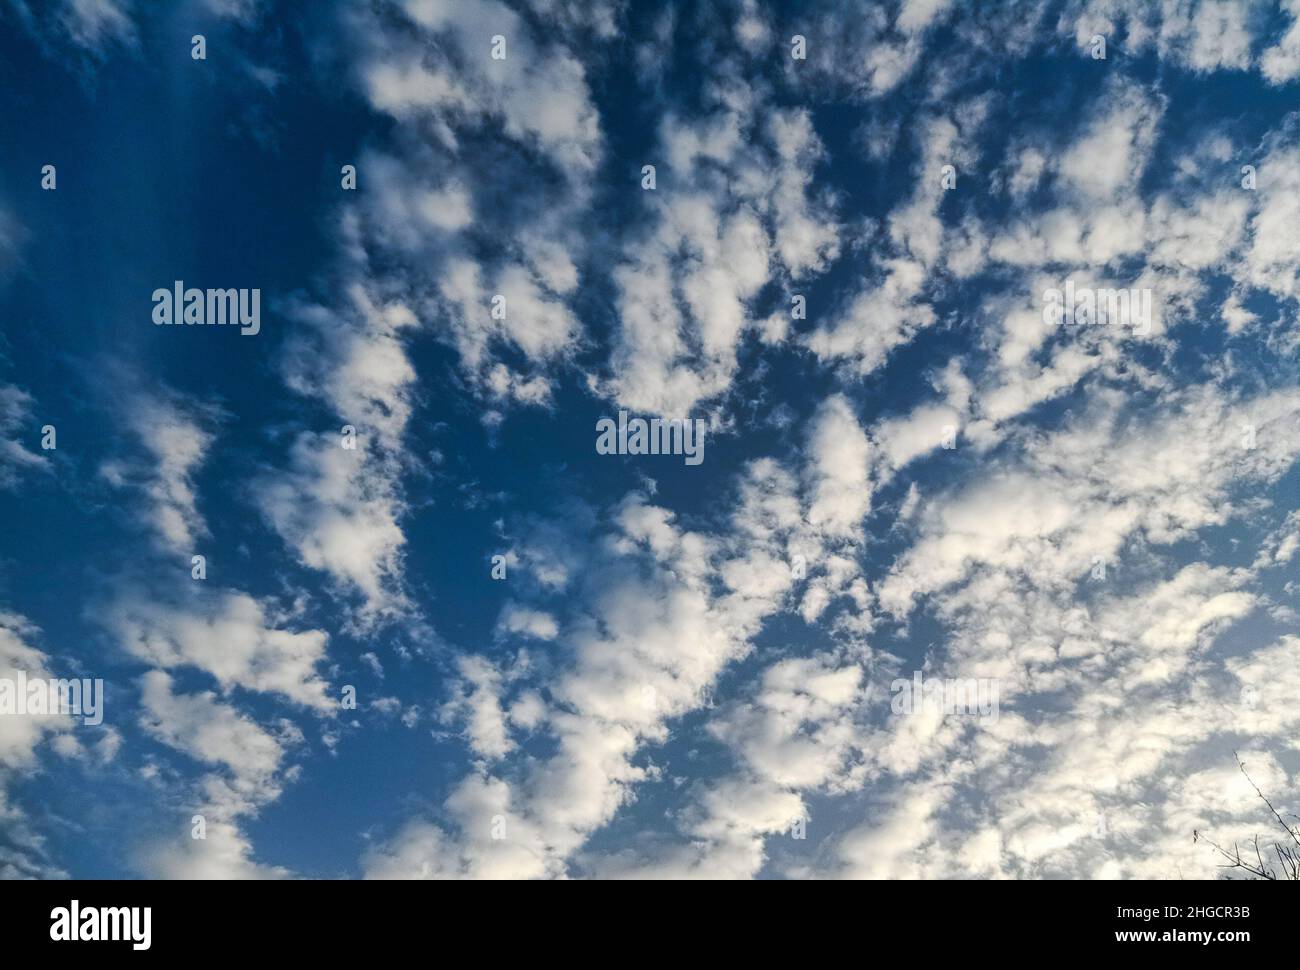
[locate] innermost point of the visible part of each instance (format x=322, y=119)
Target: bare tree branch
x=1287, y=857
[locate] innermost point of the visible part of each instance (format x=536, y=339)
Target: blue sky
x=686, y=670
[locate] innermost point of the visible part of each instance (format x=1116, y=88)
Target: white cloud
x=736, y=209
x=1095, y=484
x=23, y=850
x=248, y=762
x=16, y=418
x=538, y=93
x=231, y=636
x=649, y=647
x=95, y=23
x=1281, y=62
x=209, y=731
x=340, y=507
x=839, y=470
x=177, y=441
x=533, y=623
x=1274, y=253
x=477, y=699
x=21, y=734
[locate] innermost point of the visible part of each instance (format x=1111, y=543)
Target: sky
x=983, y=316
